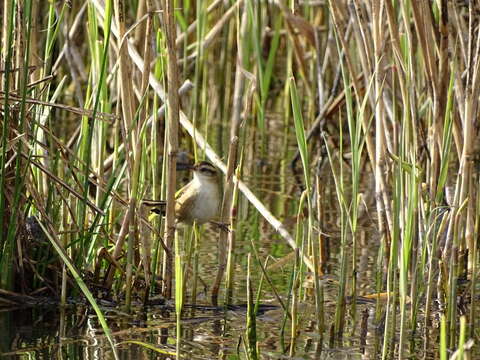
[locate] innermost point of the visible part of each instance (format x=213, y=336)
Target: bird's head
x=205, y=171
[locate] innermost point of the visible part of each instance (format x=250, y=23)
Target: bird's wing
x=161, y=205
x=181, y=191
x=183, y=204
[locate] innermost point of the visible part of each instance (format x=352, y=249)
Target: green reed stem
x=179, y=292
x=6, y=242
x=443, y=339
x=251, y=331
x=81, y=284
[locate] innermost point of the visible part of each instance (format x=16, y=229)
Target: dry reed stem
x=95, y=179
x=59, y=181
x=130, y=135
x=216, y=29
x=172, y=131
x=186, y=87
x=385, y=222
x=202, y=143
x=261, y=208
x=73, y=28
x=232, y=158
x=147, y=55
x=191, y=28
x=125, y=74
x=465, y=146
x=298, y=51
x=12, y=97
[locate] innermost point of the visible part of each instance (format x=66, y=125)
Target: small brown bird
x=198, y=201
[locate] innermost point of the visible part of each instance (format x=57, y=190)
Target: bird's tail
x=158, y=206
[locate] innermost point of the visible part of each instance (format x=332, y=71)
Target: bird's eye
x=207, y=171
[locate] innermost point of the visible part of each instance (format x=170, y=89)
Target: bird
x=199, y=201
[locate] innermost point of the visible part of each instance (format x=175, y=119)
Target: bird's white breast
x=207, y=203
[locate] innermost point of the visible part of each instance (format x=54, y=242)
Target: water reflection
x=49, y=332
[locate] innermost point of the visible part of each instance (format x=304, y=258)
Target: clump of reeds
x=378, y=100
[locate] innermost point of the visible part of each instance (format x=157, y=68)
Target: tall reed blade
x=251, y=331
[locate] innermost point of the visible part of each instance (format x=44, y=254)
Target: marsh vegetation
x=347, y=133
